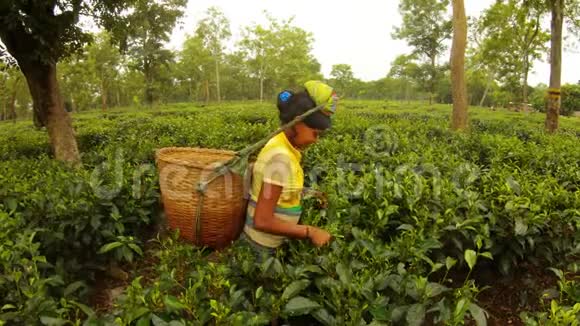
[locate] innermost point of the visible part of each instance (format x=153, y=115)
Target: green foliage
x=78, y=212
x=104, y=60
x=510, y=38
x=214, y=31
x=46, y=33
x=342, y=78
x=410, y=203
x=194, y=67
x=538, y=98
x=564, y=310
x=150, y=26
x=261, y=47
x=27, y=278
x=14, y=97
x=504, y=43
x=425, y=27
x=74, y=71
x=404, y=69
x=570, y=99
x=481, y=83
x=124, y=248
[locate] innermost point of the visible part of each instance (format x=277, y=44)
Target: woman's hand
x=318, y=236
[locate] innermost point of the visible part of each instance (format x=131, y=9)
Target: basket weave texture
x=223, y=205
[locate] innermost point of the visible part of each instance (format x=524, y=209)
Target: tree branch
x=536, y=32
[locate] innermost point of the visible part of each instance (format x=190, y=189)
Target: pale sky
x=357, y=33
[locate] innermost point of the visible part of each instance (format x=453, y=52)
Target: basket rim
x=162, y=154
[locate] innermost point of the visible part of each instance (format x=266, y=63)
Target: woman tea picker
x=277, y=183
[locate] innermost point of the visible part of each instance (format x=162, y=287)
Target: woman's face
x=305, y=135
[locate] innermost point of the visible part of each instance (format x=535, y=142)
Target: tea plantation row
x=410, y=204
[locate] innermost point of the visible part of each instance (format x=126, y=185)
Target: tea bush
x=409, y=201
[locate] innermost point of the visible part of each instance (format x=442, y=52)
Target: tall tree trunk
x=190, y=90
x=4, y=108
x=13, y=99
x=206, y=92
x=525, y=80
x=195, y=91
x=432, y=83
x=148, y=73
x=49, y=109
x=487, y=87
x=459, y=89
x=261, y=82
x=554, y=100
x=103, y=95
x=149, y=93
x=217, y=78
x=43, y=85
x=3, y=84
x=261, y=89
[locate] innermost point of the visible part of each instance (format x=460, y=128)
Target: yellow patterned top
x=278, y=163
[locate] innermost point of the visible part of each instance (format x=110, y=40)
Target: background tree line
x=44, y=50
x=504, y=43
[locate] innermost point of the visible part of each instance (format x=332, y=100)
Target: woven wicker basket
x=223, y=206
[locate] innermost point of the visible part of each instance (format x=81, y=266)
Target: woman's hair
x=291, y=105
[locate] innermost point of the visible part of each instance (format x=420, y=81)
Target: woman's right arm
x=265, y=221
